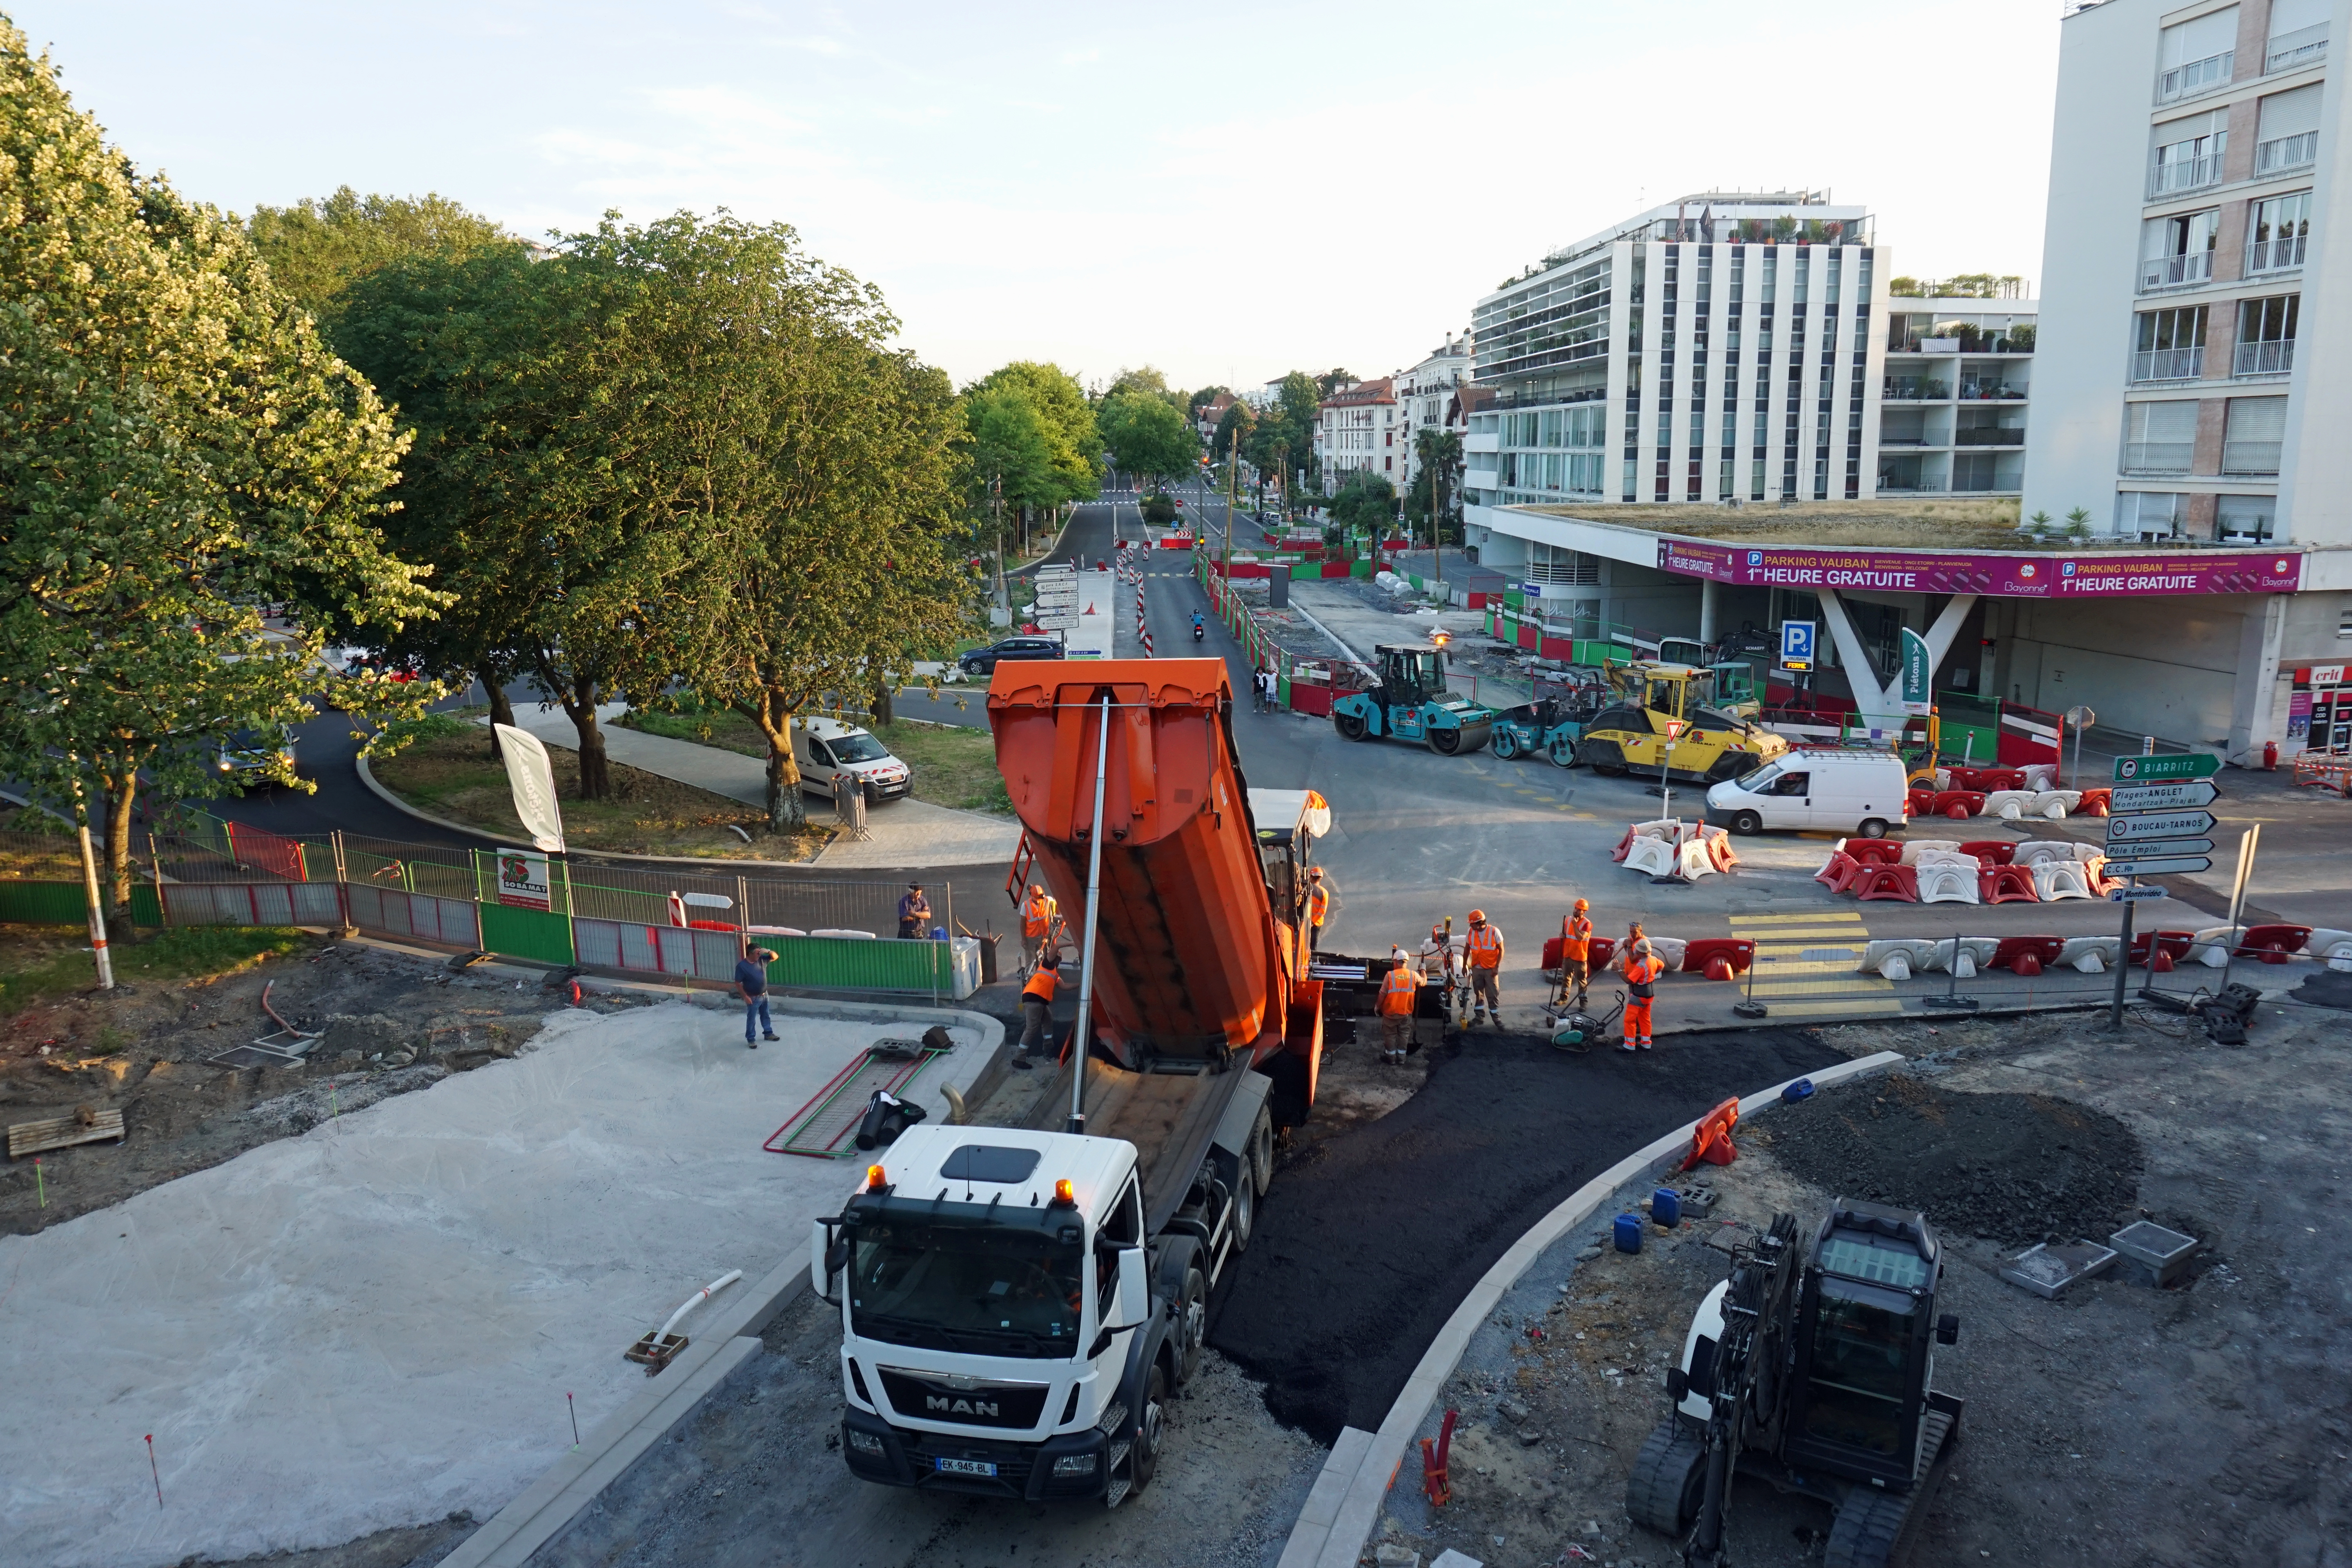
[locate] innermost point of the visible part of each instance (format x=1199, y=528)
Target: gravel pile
x=2010, y=1168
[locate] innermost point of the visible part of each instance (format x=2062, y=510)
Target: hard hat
x=1477, y=917
x=1582, y=905
x=1641, y=945
x=1315, y=874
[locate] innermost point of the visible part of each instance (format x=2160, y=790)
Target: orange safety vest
x=1318, y=899
x=1485, y=947
x=1642, y=971
x=1396, y=992
x=1037, y=919
x=1041, y=985
x=1575, y=944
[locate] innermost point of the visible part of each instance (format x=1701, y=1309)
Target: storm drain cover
x=2163, y=1253
x=2048, y=1270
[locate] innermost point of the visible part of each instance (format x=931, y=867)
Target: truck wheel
x=1351, y=726
x=1507, y=744
x=1868, y=1523
x=1191, y=1325
x=1143, y=1460
x=1669, y=1476
x=1245, y=1211
x=1746, y=822
x=1261, y=1149
x=1446, y=742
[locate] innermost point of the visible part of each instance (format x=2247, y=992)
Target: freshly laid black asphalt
x=1369, y=1241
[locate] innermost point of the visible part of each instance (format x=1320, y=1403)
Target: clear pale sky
x=1227, y=191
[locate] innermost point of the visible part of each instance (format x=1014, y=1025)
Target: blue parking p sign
x=1796, y=645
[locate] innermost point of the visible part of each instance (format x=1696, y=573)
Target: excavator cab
x=1735, y=688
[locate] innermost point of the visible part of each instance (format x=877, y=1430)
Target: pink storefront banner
x=2038, y=576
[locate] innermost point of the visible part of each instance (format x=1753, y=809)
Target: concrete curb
x=724, y=1343
x=1345, y=1503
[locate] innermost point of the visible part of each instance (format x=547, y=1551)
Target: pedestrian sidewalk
x=905, y=832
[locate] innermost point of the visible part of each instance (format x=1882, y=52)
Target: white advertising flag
x=534, y=786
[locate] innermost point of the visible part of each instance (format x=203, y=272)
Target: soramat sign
x=2020, y=576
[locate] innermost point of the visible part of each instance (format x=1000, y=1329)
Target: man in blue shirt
x=914, y=913
x=751, y=984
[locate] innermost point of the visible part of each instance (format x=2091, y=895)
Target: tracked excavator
x=1811, y=1368
x=1018, y=1305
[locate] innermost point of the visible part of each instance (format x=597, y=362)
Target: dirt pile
x=1368, y=1240
x=2010, y=1168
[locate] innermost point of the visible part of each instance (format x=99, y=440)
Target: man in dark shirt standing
x=914, y=913
x=751, y=984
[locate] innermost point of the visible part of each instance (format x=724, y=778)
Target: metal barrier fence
x=251, y=903
x=413, y=917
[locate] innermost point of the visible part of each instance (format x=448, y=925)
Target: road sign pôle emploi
x=2163, y=846
x=2126, y=827
x=2142, y=769
x=2163, y=796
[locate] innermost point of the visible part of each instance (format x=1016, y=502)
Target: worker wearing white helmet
x=1395, y=1006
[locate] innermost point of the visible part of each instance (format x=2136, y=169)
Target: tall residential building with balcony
x=1358, y=430
x=1725, y=346
x=1953, y=398
x=1428, y=397
x=2189, y=178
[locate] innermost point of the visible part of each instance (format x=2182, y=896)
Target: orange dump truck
x=1019, y=1304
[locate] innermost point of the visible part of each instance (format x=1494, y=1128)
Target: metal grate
x=824, y=1127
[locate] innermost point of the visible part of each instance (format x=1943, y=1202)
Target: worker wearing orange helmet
x=1318, y=905
x=1576, y=950
x=1038, y=917
x=1642, y=971
x=1395, y=1006
x=1484, y=960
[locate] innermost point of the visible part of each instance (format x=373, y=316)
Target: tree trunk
x=121, y=798
x=879, y=709
x=493, y=681
x=579, y=707
x=787, y=808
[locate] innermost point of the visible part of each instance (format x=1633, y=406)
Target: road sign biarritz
x=2144, y=770
x=2163, y=796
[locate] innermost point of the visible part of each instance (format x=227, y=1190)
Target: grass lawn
x=454, y=776
x=954, y=766
x=42, y=963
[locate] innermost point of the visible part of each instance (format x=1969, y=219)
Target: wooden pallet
x=63, y=1132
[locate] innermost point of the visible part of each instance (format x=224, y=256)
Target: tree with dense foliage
x=1365, y=501
x=1067, y=420
x=1234, y=426
x=1283, y=439
x=316, y=247
x=178, y=450
x=1333, y=381
x=1147, y=379
x=1147, y=434
x=1437, y=457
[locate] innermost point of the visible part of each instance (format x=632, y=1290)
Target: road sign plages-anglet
x=2192, y=766
x=2163, y=796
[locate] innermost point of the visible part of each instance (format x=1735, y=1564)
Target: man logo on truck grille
x=943, y=1405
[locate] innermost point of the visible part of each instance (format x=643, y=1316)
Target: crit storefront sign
x=2037, y=576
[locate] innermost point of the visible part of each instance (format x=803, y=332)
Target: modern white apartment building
x=1360, y=428
x=1725, y=346
x=2195, y=386
x=1953, y=398
x=1428, y=397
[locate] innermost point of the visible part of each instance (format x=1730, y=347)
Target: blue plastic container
x=1666, y=1207
x=1629, y=1232
x=1800, y=1089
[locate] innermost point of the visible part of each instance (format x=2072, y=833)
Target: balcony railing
x=2274, y=255
x=2196, y=76
x=1990, y=392
x=2188, y=173
x=2300, y=48
x=1988, y=437
x=1916, y=391
x=2175, y=271
x=2273, y=358
x=2281, y=153
x=1887, y=440
x=2169, y=365
x=2159, y=456
x=2251, y=457
x=1927, y=487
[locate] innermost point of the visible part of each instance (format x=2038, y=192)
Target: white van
x=823, y=747
x=1821, y=788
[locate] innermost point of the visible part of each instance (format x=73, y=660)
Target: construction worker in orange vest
x=1038, y=917
x=1576, y=950
x=1485, y=961
x=1318, y=904
x=1036, y=1012
x=1642, y=971
x=1395, y=1006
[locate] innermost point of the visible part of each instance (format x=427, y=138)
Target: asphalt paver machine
x=1812, y=1369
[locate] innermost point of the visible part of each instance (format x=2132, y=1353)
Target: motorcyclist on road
x=1199, y=627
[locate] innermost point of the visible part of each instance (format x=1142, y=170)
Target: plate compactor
x=1811, y=1369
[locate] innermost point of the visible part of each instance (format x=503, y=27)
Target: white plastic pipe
x=696, y=1300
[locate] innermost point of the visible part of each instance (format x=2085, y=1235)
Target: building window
x=2195, y=56
x=2244, y=517
x=2188, y=153
x=2170, y=345
x=2287, y=133
x=2159, y=437
x=2178, y=250
x=2266, y=335
x=2255, y=433
x=2298, y=35
x=2275, y=239
x=2150, y=515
